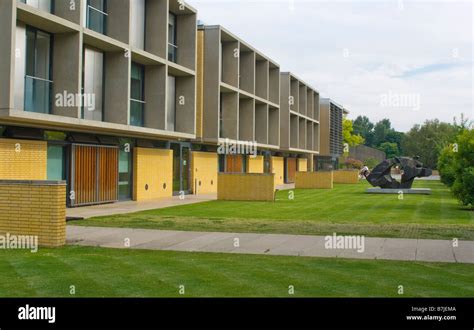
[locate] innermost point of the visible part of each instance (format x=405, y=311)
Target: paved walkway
x=270, y=244
x=132, y=207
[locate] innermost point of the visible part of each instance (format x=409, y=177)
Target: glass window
x=171, y=105
x=172, y=38
x=56, y=163
x=38, y=84
x=92, y=84
x=97, y=15
x=137, y=95
x=125, y=169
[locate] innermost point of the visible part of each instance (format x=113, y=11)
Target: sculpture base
x=413, y=191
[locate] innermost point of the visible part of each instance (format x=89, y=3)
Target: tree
x=428, y=140
x=447, y=165
x=347, y=132
x=381, y=130
x=365, y=128
x=463, y=186
x=390, y=149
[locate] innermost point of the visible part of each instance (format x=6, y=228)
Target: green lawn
x=346, y=210
x=98, y=272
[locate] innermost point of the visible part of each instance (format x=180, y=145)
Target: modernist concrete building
x=131, y=100
x=238, y=101
x=299, y=123
x=331, y=146
x=133, y=61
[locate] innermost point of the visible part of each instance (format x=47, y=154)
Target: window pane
x=136, y=114
x=30, y=52
x=43, y=48
x=171, y=104
x=136, y=92
x=56, y=168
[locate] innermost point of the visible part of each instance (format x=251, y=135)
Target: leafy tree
x=428, y=140
x=463, y=186
x=347, y=132
x=447, y=165
x=365, y=128
x=390, y=149
x=381, y=130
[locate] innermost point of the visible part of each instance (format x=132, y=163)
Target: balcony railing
x=96, y=20
x=38, y=95
x=137, y=113
x=172, y=53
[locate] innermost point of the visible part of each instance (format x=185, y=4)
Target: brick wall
x=314, y=180
x=204, y=168
x=153, y=174
x=346, y=176
x=23, y=159
x=36, y=208
x=246, y=187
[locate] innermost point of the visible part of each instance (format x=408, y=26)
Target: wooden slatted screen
x=234, y=164
x=94, y=174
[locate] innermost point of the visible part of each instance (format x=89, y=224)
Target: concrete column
x=261, y=79
x=156, y=41
x=67, y=73
x=7, y=52
x=70, y=10
x=261, y=123
x=302, y=99
x=117, y=88
x=273, y=126
x=155, y=96
x=186, y=37
x=186, y=104
x=247, y=119
x=118, y=20
x=230, y=113
x=230, y=63
x=274, y=85
x=247, y=71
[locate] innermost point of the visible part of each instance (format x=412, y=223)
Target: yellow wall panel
x=23, y=159
x=346, y=176
x=314, y=180
x=153, y=174
x=246, y=187
x=302, y=165
x=255, y=164
x=204, y=169
x=278, y=168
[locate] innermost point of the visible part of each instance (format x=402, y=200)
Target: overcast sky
x=404, y=60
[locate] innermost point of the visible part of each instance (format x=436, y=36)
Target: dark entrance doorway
x=181, y=167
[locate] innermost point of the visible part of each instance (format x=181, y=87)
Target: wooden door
x=94, y=175
x=291, y=170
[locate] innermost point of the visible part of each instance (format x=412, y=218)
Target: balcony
x=96, y=20
x=137, y=113
x=172, y=53
x=38, y=95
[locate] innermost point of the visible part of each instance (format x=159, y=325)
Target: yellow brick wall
x=27, y=162
x=302, y=165
x=152, y=168
x=314, y=180
x=346, y=176
x=200, y=83
x=204, y=169
x=34, y=208
x=246, y=187
x=278, y=168
x=255, y=164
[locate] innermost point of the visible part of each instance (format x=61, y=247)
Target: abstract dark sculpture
x=412, y=168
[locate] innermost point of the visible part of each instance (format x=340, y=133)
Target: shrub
x=463, y=186
x=351, y=163
x=447, y=166
x=371, y=163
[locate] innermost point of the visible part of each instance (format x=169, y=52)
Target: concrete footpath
x=270, y=244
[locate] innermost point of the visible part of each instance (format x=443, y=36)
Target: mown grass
x=99, y=272
x=346, y=210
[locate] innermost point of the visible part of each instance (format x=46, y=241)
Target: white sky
x=365, y=55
